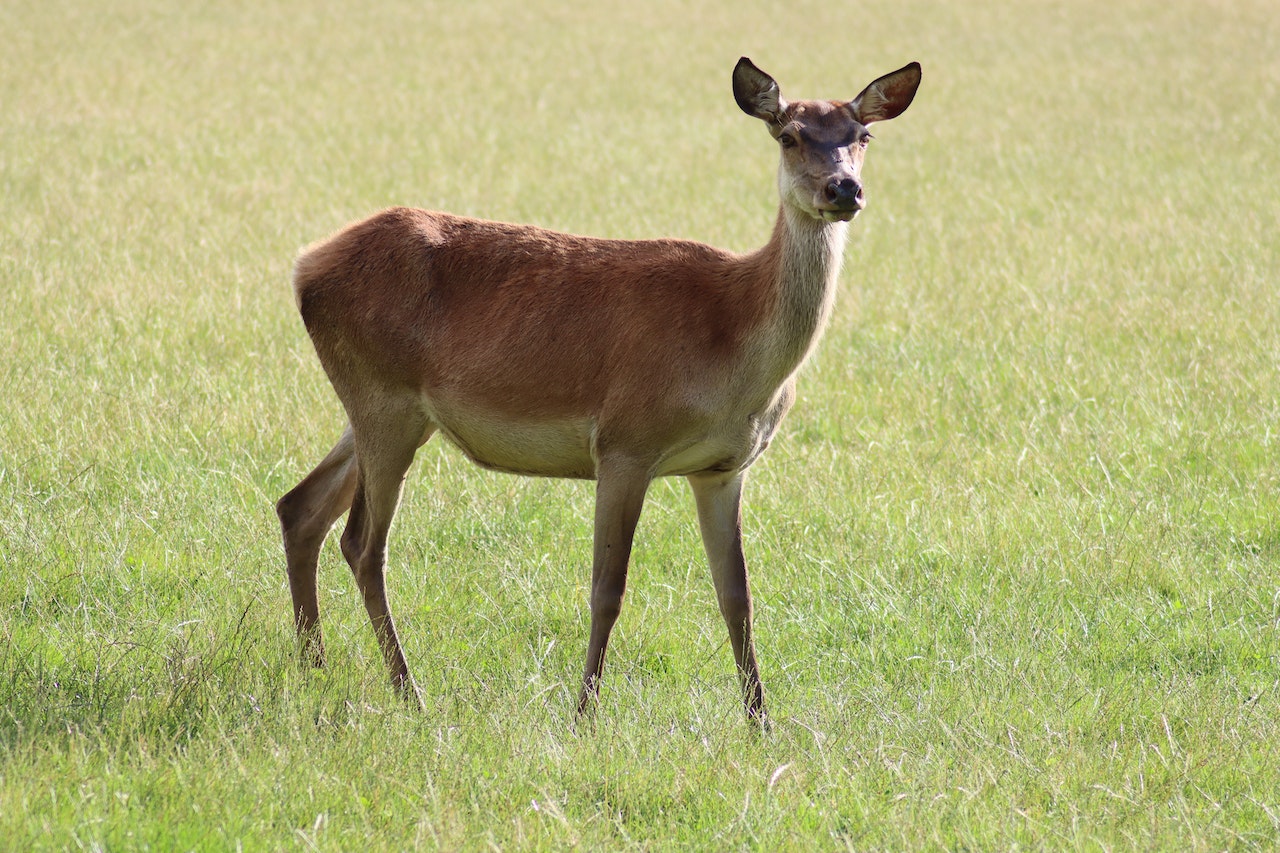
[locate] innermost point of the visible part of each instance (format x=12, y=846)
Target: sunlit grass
x=1015, y=551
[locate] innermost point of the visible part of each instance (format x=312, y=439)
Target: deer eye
x=786, y=140
x=862, y=143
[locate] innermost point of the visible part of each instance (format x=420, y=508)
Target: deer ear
x=888, y=96
x=757, y=93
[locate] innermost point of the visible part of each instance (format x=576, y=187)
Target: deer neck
x=803, y=259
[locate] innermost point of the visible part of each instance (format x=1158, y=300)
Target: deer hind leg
x=719, y=500
x=385, y=446
x=306, y=514
x=620, y=491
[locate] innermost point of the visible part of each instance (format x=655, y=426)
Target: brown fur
x=439, y=303
x=550, y=354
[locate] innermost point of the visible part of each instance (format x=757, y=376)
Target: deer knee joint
x=735, y=607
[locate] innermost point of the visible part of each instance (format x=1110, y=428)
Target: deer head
x=823, y=143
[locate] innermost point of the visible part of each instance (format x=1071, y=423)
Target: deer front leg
x=620, y=491
x=719, y=499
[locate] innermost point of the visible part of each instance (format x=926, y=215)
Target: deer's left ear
x=888, y=96
x=757, y=93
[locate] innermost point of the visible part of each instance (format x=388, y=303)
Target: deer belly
x=560, y=448
x=723, y=453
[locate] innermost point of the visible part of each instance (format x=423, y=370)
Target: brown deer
x=547, y=354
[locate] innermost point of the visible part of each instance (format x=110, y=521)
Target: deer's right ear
x=757, y=93
x=888, y=96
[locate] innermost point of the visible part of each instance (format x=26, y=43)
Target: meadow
x=1015, y=552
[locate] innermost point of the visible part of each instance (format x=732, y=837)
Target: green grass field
x=1016, y=552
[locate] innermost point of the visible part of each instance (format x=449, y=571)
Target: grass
x=1015, y=552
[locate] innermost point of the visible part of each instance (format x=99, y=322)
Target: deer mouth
x=838, y=214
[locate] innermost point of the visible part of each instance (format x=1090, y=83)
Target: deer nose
x=844, y=193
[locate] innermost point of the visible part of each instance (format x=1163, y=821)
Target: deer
x=542, y=353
